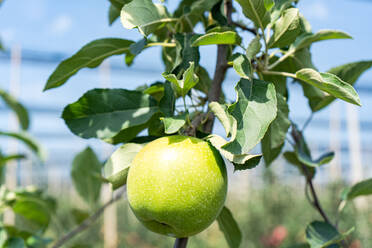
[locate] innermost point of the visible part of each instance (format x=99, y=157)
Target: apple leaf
x=144, y=15
x=227, y=121
x=90, y=56
x=255, y=108
x=173, y=124
x=269, y=4
x=274, y=138
x=255, y=11
x=85, y=173
x=114, y=13
x=254, y=47
x=229, y=228
x=321, y=234
x=17, y=107
x=29, y=141
x=218, y=38
x=184, y=85
x=117, y=166
x=185, y=53
x=348, y=73
x=15, y=242
x=329, y=83
x=291, y=158
x=307, y=39
x=240, y=161
x=104, y=113
x=286, y=28
x=362, y=188
x=167, y=103
x=242, y=66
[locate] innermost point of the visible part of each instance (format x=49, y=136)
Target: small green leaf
x=321, y=234
x=15, y=242
x=85, y=171
x=255, y=11
x=79, y=215
x=137, y=47
x=291, y=158
x=348, y=73
x=286, y=28
x=255, y=108
x=307, y=39
x=104, y=113
x=242, y=66
x=29, y=141
x=17, y=107
x=218, y=38
x=330, y=84
x=240, y=161
x=269, y=4
x=254, y=47
x=144, y=15
x=307, y=160
x=229, y=228
x=185, y=53
x=274, y=138
x=90, y=56
x=227, y=121
x=188, y=81
x=167, y=103
x=114, y=13
x=117, y=166
x=362, y=188
x=173, y=124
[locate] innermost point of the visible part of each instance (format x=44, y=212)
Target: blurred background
x=272, y=212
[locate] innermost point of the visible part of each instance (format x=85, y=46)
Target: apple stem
x=181, y=243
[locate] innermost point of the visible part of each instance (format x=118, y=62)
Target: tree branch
x=239, y=25
x=88, y=222
x=219, y=72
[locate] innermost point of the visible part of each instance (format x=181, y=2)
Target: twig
x=307, y=122
x=219, y=72
x=251, y=30
x=87, y=223
x=180, y=243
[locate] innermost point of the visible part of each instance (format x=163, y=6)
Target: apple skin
x=177, y=185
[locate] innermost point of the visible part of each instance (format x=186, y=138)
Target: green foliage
x=85, y=173
x=254, y=109
x=117, y=166
x=104, y=113
x=363, y=188
x=91, y=56
x=280, y=49
x=273, y=141
x=230, y=228
x=321, y=234
x=17, y=107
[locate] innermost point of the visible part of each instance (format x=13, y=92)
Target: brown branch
x=87, y=223
x=243, y=27
x=219, y=72
x=180, y=243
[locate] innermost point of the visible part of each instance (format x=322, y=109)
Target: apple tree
x=268, y=45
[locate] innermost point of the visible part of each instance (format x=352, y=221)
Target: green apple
x=177, y=185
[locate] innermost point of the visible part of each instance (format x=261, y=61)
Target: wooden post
x=14, y=89
x=110, y=234
x=335, y=168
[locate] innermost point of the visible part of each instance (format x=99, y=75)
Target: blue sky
x=65, y=26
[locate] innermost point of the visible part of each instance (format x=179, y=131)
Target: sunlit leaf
x=117, y=166
x=17, y=107
x=104, y=113
x=89, y=56
x=255, y=108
